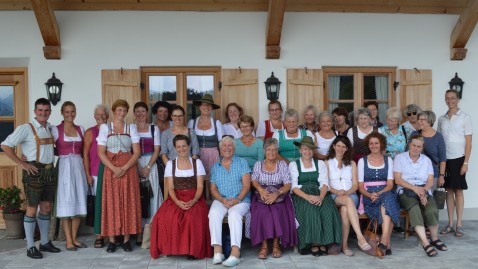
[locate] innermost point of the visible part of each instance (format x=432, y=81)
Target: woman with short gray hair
x=357, y=133
x=326, y=135
x=290, y=134
x=310, y=117
x=411, y=124
x=394, y=132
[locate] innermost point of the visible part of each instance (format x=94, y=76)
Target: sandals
x=365, y=246
x=459, y=231
x=348, y=252
x=323, y=251
x=276, y=251
x=448, y=230
x=430, y=251
x=263, y=252
x=99, y=243
x=111, y=247
x=439, y=245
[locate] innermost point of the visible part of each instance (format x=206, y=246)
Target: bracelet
x=442, y=175
x=280, y=192
x=465, y=163
x=149, y=167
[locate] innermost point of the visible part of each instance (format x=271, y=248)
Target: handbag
x=145, y=192
x=439, y=195
x=271, y=189
x=90, y=208
x=373, y=239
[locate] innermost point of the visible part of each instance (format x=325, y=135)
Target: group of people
x=293, y=185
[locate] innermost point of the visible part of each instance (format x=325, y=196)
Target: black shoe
x=127, y=246
x=34, y=253
x=388, y=251
x=111, y=247
x=304, y=251
x=191, y=258
x=49, y=247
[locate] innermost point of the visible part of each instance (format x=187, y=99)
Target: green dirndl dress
x=319, y=225
x=99, y=199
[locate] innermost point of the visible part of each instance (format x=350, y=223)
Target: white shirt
x=340, y=178
x=323, y=144
x=360, y=134
x=454, y=131
x=415, y=173
x=168, y=171
x=228, y=129
x=276, y=135
x=156, y=140
x=209, y=131
x=261, y=128
x=23, y=136
x=54, y=132
x=105, y=130
x=361, y=168
x=323, y=178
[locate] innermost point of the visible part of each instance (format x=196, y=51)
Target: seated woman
x=343, y=187
x=375, y=177
x=180, y=227
x=414, y=174
x=272, y=212
x=319, y=221
x=230, y=185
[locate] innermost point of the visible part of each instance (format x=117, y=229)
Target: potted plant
x=11, y=202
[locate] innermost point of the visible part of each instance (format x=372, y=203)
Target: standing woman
x=434, y=147
x=249, y=147
x=231, y=126
x=161, y=111
x=375, y=177
x=357, y=133
x=71, y=192
x=325, y=136
x=310, y=117
x=340, y=120
x=343, y=188
x=394, y=132
x=266, y=128
x=319, y=221
x=180, y=227
x=208, y=131
x=119, y=150
x=457, y=130
x=373, y=107
x=290, y=134
x=147, y=168
x=91, y=162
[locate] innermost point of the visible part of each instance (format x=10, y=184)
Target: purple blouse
x=280, y=176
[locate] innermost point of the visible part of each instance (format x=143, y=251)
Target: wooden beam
x=275, y=18
x=463, y=29
x=48, y=28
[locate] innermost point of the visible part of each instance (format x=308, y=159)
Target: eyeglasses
x=177, y=116
x=411, y=113
x=274, y=110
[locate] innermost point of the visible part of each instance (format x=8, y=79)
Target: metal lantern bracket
x=272, y=87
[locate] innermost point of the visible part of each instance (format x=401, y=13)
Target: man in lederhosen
x=39, y=176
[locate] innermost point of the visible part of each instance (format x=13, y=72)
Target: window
x=7, y=111
x=352, y=87
x=181, y=86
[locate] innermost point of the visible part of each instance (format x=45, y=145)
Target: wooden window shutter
x=305, y=87
x=416, y=88
x=240, y=86
x=121, y=84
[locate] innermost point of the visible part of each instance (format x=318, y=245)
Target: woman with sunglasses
x=411, y=111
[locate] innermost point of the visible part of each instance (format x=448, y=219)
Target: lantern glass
x=53, y=89
x=457, y=83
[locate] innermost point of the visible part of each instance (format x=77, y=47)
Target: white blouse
x=168, y=171
x=340, y=178
x=361, y=168
x=156, y=139
x=294, y=172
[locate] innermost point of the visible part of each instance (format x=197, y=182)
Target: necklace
x=296, y=131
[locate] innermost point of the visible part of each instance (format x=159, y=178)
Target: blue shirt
x=229, y=183
x=252, y=153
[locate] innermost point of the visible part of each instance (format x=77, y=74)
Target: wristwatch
x=442, y=175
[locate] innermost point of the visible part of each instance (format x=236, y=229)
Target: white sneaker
x=231, y=261
x=218, y=258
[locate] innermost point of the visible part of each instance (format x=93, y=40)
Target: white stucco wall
x=92, y=41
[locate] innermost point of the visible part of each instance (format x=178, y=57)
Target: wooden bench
x=403, y=214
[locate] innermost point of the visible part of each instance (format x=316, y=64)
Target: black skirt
x=453, y=179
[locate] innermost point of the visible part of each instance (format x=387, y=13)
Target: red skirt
x=181, y=232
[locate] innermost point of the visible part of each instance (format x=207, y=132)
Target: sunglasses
x=411, y=113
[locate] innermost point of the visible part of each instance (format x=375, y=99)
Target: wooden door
x=416, y=88
x=305, y=87
x=241, y=86
x=121, y=84
x=14, y=110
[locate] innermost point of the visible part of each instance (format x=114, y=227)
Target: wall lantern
x=53, y=89
x=457, y=84
x=272, y=87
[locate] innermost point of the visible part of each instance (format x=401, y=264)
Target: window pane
x=197, y=86
x=375, y=87
x=6, y=102
x=162, y=88
x=6, y=128
x=341, y=87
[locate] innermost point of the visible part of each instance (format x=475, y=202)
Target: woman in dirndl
x=119, y=150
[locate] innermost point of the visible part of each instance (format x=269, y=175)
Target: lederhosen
x=42, y=185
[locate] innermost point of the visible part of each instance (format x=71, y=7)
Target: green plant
x=10, y=200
